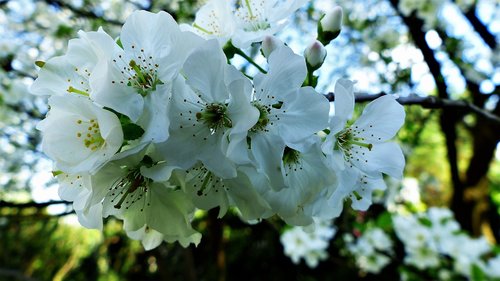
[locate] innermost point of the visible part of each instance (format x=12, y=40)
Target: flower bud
x=269, y=44
x=330, y=25
x=315, y=55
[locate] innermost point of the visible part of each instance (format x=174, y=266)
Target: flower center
x=263, y=118
x=214, y=116
x=140, y=73
x=129, y=190
x=204, y=181
x=290, y=156
x=346, y=139
x=91, y=135
x=252, y=15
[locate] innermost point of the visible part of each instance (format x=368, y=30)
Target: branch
x=480, y=27
x=80, y=12
x=31, y=204
x=17, y=275
x=429, y=102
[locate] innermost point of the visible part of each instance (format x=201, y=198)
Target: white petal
x=56, y=76
x=287, y=72
x=344, y=99
x=169, y=212
x=244, y=116
x=304, y=113
x=154, y=119
x=116, y=96
x=384, y=158
x=364, y=190
x=248, y=201
x=91, y=217
x=204, y=70
x=380, y=120
x=267, y=149
x=149, y=237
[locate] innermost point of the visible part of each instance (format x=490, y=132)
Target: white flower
x=78, y=189
x=207, y=191
x=78, y=135
x=136, y=80
x=379, y=239
x=214, y=20
x=136, y=189
x=243, y=21
x=372, y=250
x=360, y=152
x=257, y=18
x=211, y=113
x=307, y=187
x=290, y=114
x=492, y=268
x=71, y=73
x=308, y=244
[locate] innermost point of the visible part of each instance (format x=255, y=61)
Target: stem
x=249, y=59
x=310, y=78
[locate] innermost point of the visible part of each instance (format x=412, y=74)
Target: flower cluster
x=242, y=21
x=372, y=250
x=308, y=243
x=432, y=242
x=431, y=238
x=155, y=124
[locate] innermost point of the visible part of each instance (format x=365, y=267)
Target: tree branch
x=480, y=27
x=17, y=275
x=31, y=204
x=80, y=12
x=429, y=102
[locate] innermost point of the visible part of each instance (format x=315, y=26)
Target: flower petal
x=380, y=120
x=384, y=158
x=344, y=99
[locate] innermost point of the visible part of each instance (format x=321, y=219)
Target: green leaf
x=132, y=131
x=384, y=221
x=119, y=43
x=477, y=273
x=63, y=31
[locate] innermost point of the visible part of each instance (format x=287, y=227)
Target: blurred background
x=440, y=56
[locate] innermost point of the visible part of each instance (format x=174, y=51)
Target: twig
x=31, y=204
x=480, y=27
x=17, y=275
x=80, y=12
x=429, y=102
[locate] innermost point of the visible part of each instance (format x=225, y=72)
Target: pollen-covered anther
x=90, y=134
x=141, y=73
x=214, y=116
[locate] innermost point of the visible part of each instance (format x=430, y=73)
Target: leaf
x=477, y=273
x=132, y=131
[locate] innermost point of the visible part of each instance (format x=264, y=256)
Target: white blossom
x=79, y=135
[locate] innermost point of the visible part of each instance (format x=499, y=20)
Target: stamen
x=138, y=71
x=214, y=117
x=76, y=91
x=249, y=9
x=202, y=29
